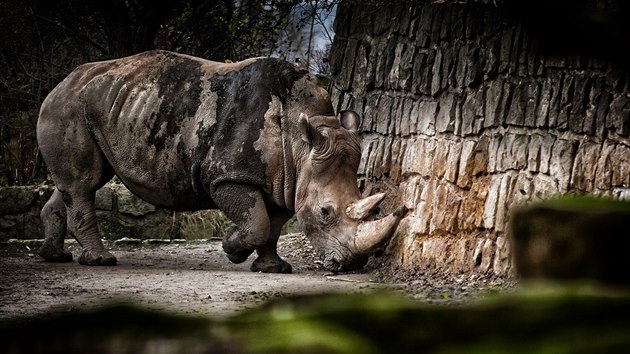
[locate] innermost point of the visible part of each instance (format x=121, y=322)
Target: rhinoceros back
x=173, y=127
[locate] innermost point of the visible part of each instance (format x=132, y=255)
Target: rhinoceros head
x=330, y=210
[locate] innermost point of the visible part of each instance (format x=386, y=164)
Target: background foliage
x=42, y=41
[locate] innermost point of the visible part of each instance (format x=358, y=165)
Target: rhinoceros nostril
x=332, y=264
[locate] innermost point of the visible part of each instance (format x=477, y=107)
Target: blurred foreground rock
x=552, y=320
x=573, y=238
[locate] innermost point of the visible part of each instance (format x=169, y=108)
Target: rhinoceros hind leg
x=53, y=217
x=268, y=260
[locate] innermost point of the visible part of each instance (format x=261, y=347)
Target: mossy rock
x=572, y=238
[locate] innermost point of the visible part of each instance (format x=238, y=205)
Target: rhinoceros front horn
x=371, y=235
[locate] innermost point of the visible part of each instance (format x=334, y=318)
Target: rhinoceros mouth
x=335, y=262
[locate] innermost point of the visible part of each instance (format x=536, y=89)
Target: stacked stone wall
x=463, y=119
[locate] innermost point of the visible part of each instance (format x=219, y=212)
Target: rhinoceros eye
x=327, y=213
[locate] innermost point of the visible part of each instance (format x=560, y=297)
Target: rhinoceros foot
x=267, y=265
x=97, y=258
x=50, y=253
x=236, y=249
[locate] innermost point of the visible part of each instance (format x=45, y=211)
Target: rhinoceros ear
x=350, y=120
x=309, y=133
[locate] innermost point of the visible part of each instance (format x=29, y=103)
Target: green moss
x=588, y=203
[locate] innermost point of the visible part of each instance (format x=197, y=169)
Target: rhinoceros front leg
x=268, y=260
x=245, y=206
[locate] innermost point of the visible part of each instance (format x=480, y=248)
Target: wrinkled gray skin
x=257, y=139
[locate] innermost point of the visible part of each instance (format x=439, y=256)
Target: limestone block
x=589, y=123
x=601, y=112
x=407, y=125
x=494, y=143
x=481, y=155
x=366, y=151
x=493, y=114
x=436, y=83
x=362, y=77
x=471, y=212
x=426, y=206
x=554, y=102
x=383, y=114
x=426, y=116
x=440, y=158
x=544, y=101
x=347, y=70
x=452, y=162
x=369, y=169
x=460, y=66
x=446, y=116
x=543, y=187
x=466, y=164
x=446, y=204
x=585, y=165
x=604, y=167
x=420, y=64
x=619, y=115
x=472, y=111
x=561, y=162
x=413, y=154
x=426, y=164
x=428, y=73
x=522, y=189
x=447, y=75
x=411, y=190
x=434, y=252
x=483, y=254
x=386, y=155
x=380, y=50
x=504, y=202
x=394, y=73
x=512, y=152
x=395, y=125
x=533, y=96
x=399, y=148
x=621, y=167
x=502, y=257
x=577, y=118
x=423, y=33
x=546, y=148
x=515, y=115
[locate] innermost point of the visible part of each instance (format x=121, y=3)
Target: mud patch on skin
x=180, y=91
x=242, y=99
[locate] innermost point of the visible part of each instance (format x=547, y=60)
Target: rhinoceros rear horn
x=362, y=208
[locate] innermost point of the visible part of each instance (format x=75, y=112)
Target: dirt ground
x=196, y=278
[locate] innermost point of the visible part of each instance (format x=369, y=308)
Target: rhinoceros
x=257, y=139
